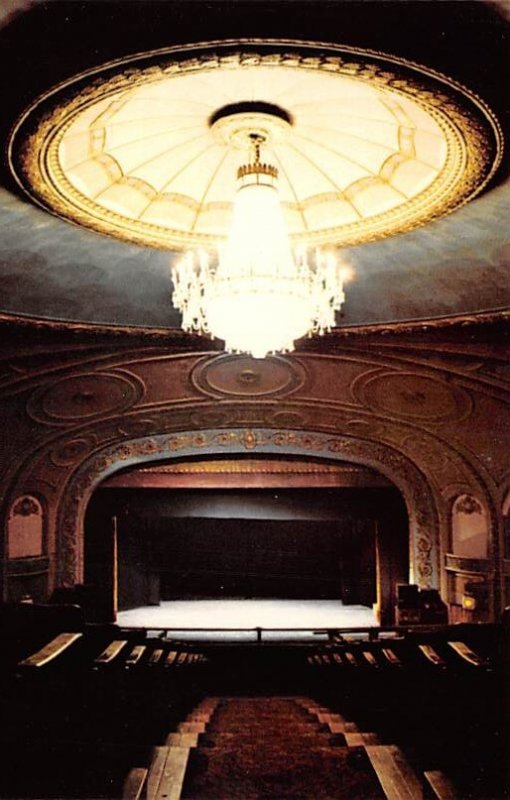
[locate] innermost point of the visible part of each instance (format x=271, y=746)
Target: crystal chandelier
x=255, y=294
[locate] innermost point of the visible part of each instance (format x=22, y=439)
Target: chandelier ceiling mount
x=236, y=124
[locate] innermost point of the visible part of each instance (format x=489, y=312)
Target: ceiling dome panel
x=366, y=145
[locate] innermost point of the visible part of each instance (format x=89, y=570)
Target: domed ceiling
x=372, y=151
x=149, y=149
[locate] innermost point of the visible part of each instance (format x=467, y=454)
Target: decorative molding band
x=459, y=564
x=185, y=342
x=472, y=136
x=34, y=565
x=232, y=466
x=423, y=522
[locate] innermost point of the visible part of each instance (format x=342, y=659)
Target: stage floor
x=234, y=615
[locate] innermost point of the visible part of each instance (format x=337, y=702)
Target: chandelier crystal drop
x=254, y=293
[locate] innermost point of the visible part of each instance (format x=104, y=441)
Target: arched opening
x=468, y=564
x=246, y=532
x=506, y=548
x=27, y=561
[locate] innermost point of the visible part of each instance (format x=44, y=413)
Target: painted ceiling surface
x=148, y=149
x=457, y=265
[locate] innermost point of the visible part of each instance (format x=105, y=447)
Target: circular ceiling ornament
x=412, y=395
x=85, y=396
x=243, y=376
x=147, y=148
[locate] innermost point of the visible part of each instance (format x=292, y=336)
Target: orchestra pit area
x=95, y=710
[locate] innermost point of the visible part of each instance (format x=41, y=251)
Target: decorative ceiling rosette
x=147, y=148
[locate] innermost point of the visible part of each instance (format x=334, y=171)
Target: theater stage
x=235, y=616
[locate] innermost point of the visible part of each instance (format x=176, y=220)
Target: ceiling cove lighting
x=254, y=292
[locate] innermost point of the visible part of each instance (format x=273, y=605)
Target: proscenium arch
x=400, y=470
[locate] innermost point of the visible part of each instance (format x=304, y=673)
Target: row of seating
x=118, y=652
x=104, y=695
x=82, y=704
x=440, y=697
x=377, y=657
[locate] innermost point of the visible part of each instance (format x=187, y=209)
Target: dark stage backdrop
x=266, y=558
x=307, y=543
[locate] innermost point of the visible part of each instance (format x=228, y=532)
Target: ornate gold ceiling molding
x=177, y=339
x=231, y=466
x=251, y=473
x=473, y=137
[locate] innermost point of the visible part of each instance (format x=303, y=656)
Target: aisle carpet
x=267, y=747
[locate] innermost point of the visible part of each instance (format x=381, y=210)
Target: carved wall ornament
x=412, y=395
x=84, y=397
x=72, y=452
x=467, y=505
x=212, y=418
x=423, y=520
x=254, y=466
x=246, y=377
x=26, y=506
x=287, y=418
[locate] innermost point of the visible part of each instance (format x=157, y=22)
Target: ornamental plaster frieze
x=451, y=475
x=101, y=406
x=475, y=372
x=59, y=461
x=469, y=375
x=396, y=467
x=64, y=450
x=219, y=374
x=85, y=397
x=32, y=366
x=76, y=400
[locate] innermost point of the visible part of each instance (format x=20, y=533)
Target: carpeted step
x=276, y=745
x=257, y=773
x=247, y=725
x=217, y=738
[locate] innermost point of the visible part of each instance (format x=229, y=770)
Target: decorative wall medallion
x=84, y=397
x=211, y=418
x=467, y=505
x=71, y=452
x=25, y=506
x=412, y=395
x=287, y=418
x=243, y=376
x=433, y=451
x=139, y=426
